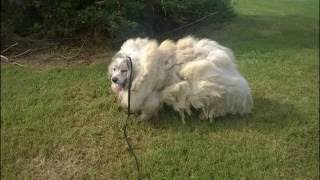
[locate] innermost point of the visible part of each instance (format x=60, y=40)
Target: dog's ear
x=110, y=69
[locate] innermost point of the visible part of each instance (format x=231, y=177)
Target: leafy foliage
x=112, y=18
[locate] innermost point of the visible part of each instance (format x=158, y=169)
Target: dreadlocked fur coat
x=188, y=75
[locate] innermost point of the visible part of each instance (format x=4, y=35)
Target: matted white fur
x=187, y=74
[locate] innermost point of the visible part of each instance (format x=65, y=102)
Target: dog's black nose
x=114, y=79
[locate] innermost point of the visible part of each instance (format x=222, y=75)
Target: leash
x=129, y=63
x=172, y=30
x=130, y=148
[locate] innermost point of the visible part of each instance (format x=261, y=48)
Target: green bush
x=111, y=18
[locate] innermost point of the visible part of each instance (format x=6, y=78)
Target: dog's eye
x=123, y=71
x=114, y=69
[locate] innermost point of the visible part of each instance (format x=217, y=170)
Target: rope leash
x=172, y=30
x=129, y=63
x=130, y=148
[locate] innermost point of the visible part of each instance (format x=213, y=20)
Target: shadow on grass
x=263, y=33
x=266, y=116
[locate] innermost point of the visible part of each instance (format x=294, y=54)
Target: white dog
x=187, y=74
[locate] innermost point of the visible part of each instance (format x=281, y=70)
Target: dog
x=187, y=74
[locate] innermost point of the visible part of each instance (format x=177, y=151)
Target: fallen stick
x=18, y=55
x=9, y=48
x=5, y=59
x=71, y=57
x=9, y=61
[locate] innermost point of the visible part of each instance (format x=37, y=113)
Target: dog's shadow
x=267, y=115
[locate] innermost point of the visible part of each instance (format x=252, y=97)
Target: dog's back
x=210, y=81
x=186, y=74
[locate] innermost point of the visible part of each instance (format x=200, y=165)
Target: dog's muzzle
x=114, y=80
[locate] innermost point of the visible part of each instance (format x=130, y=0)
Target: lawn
x=63, y=123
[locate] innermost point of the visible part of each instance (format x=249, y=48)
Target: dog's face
x=119, y=73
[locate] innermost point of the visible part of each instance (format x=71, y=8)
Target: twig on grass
x=9, y=61
x=23, y=53
x=5, y=59
x=9, y=48
x=71, y=57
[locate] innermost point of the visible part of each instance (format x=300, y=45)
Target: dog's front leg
x=182, y=117
x=151, y=106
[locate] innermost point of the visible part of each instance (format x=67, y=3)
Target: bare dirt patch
x=53, y=60
x=56, y=54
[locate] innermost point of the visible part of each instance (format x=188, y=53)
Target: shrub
x=111, y=18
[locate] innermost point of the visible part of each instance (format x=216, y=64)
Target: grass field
x=63, y=123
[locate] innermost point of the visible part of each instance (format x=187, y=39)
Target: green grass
x=64, y=123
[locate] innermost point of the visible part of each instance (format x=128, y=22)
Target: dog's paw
x=145, y=117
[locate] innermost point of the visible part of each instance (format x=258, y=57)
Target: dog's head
x=119, y=72
x=120, y=67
